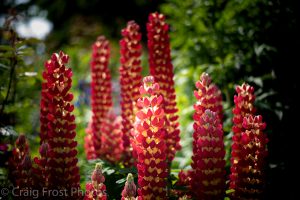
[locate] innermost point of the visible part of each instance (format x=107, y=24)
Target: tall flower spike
x=149, y=142
x=208, y=179
x=130, y=82
x=208, y=96
x=20, y=164
x=161, y=69
x=244, y=101
x=249, y=182
x=111, y=138
x=60, y=132
x=88, y=142
x=129, y=191
x=101, y=89
x=96, y=188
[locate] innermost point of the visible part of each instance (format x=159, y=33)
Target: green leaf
x=230, y=191
x=21, y=44
x=25, y=52
x=7, y=134
x=3, y=171
x=32, y=41
x=8, y=54
x=6, y=48
x=265, y=95
x=4, y=66
x=121, y=181
x=108, y=171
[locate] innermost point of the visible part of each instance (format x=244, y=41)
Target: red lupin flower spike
x=101, y=89
x=111, y=138
x=129, y=191
x=161, y=69
x=60, y=133
x=249, y=182
x=208, y=177
x=149, y=142
x=130, y=82
x=244, y=106
x=88, y=142
x=20, y=164
x=96, y=188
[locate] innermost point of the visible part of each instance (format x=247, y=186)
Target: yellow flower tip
x=129, y=177
x=98, y=166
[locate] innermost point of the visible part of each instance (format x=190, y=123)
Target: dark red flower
x=208, y=175
x=20, y=164
x=244, y=106
x=149, y=142
x=41, y=169
x=161, y=69
x=130, y=82
x=248, y=180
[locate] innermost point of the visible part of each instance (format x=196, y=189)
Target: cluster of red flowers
x=40, y=168
x=248, y=148
x=20, y=164
x=208, y=174
x=244, y=101
x=161, y=69
x=244, y=106
x=208, y=96
x=58, y=147
x=130, y=81
x=101, y=95
x=208, y=177
x=250, y=168
x=149, y=142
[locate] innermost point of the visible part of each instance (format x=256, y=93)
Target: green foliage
x=20, y=81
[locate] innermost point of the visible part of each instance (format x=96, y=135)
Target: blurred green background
x=235, y=41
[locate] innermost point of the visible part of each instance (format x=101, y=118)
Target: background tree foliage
x=236, y=41
x=233, y=40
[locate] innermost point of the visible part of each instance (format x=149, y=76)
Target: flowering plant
x=143, y=141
